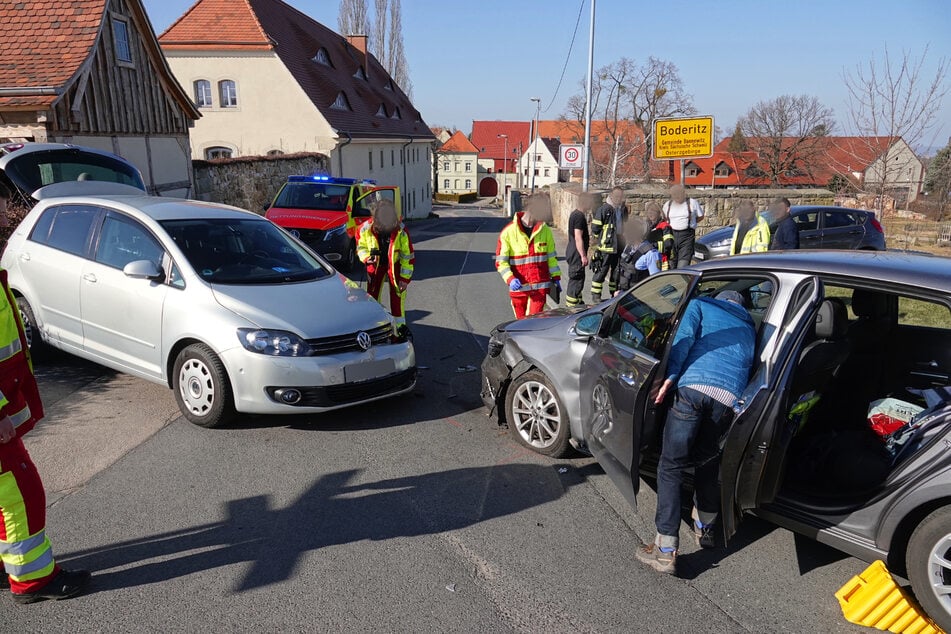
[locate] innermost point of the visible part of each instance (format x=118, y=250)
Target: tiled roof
x=485, y=136
x=571, y=131
x=459, y=143
x=377, y=106
x=553, y=145
x=44, y=44
x=216, y=25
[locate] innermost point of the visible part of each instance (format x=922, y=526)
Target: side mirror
x=589, y=325
x=143, y=270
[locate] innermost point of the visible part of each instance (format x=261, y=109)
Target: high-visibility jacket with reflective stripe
x=402, y=256
x=756, y=239
x=530, y=259
x=605, y=229
x=19, y=396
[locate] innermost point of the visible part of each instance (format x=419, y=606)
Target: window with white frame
x=218, y=152
x=228, y=93
x=445, y=166
x=202, y=93
x=468, y=183
x=468, y=166
x=120, y=37
x=445, y=183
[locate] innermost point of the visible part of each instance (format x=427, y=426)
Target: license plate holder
x=359, y=372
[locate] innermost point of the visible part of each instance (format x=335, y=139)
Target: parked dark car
x=819, y=228
x=848, y=327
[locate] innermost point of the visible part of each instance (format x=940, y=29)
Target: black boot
x=66, y=584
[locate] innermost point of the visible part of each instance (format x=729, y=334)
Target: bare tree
x=627, y=97
x=352, y=18
x=787, y=132
x=396, y=54
x=893, y=98
x=655, y=92
x=378, y=44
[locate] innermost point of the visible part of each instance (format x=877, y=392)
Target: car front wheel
x=928, y=561
x=34, y=340
x=536, y=416
x=201, y=387
x=349, y=258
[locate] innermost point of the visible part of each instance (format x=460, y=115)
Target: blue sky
x=486, y=59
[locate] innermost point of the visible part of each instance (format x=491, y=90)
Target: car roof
x=159, y=208
x=924, y=271
x=805, y=208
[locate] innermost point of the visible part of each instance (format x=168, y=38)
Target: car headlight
x=336, y=231
x=277, y=343
x=719, y=244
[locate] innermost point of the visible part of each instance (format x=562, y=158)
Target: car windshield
x=317, y=196
x=243, y=251
x=33, y=170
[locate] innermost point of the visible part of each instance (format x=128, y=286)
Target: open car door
x=363, y=204
x=755, y=446
x=619, y=372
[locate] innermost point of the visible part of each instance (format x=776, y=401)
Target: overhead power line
x=568, y=58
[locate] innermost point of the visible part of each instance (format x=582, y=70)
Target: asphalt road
x=412, y=515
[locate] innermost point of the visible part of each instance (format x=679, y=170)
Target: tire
x=536, y=416
x=349, y=259
x=930, y=542
x=39, y=349
x=201, y=386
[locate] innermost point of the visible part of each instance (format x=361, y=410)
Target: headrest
x=869, y=303
x=832, y=320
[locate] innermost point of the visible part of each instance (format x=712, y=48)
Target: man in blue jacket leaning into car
x=709, y=363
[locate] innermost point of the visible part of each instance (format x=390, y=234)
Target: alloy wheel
x=536, y=414
x=939, y=571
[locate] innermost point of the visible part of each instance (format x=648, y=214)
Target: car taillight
x=877, y=225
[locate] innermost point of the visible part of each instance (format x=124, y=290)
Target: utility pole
x=538, y=107
x=587, y=102
x=505, y=158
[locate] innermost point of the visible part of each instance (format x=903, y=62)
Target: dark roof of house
x=553, y=146
x=376, y=105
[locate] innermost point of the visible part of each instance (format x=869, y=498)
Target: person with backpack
x=683, y=214
x=639, y=258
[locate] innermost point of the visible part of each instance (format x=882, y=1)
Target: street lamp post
x=505, y=158
x=538, y=107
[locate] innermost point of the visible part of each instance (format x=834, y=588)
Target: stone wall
x=717, y=203
x=250, y=182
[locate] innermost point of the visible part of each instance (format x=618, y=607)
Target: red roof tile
x=44, y=44
x=216, y=25
x=458, y=143
x=485, y=136
x=296, y=38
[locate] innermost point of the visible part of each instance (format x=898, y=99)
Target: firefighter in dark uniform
x=607, y=226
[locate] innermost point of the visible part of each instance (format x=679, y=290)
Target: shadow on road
x=334, y=510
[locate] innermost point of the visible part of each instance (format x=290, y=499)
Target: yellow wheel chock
x=873, y=599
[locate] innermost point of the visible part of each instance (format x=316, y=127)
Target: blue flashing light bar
x=323, y=178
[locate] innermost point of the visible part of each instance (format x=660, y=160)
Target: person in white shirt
x=683, y=214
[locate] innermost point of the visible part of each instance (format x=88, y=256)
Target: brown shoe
x=660, y=561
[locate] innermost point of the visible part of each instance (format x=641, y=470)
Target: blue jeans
x=691, y=437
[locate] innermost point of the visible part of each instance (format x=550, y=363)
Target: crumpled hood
x=321, y=308
x=545, y=321
x=306, y=218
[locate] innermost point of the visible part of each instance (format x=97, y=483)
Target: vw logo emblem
x=295, y=233
x=364, y=340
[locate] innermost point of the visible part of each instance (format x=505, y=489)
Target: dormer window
x=381, y=111
x=722, y=171
x=360, y=74
x=396, y=114
x=321, y=57
x=389, y=85
x=341, y=102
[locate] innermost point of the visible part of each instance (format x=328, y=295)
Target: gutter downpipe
x=405, y=160
x=340, y=151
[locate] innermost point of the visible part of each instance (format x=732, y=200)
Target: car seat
x=820, y=360
x=873, y=324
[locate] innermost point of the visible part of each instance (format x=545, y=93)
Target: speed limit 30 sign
x=570, y=157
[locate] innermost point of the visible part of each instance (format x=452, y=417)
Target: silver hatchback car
x=218, y=303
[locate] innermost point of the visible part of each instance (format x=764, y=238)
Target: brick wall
x=250, y=182
x=717, y=204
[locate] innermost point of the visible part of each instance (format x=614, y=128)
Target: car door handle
x=927, y=364
x=810, y=237
x=25, y=257
x=90, y=277
x=628, y=380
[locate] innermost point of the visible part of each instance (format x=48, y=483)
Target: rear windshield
x=243, y=251
x=33, y=170
x=322, y=196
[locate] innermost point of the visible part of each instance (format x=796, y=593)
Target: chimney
x=358, y=42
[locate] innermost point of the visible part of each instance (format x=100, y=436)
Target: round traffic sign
x=571, y=155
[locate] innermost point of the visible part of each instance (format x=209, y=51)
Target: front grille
x=348, y=343
x=334, y=395
x=309, y=236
